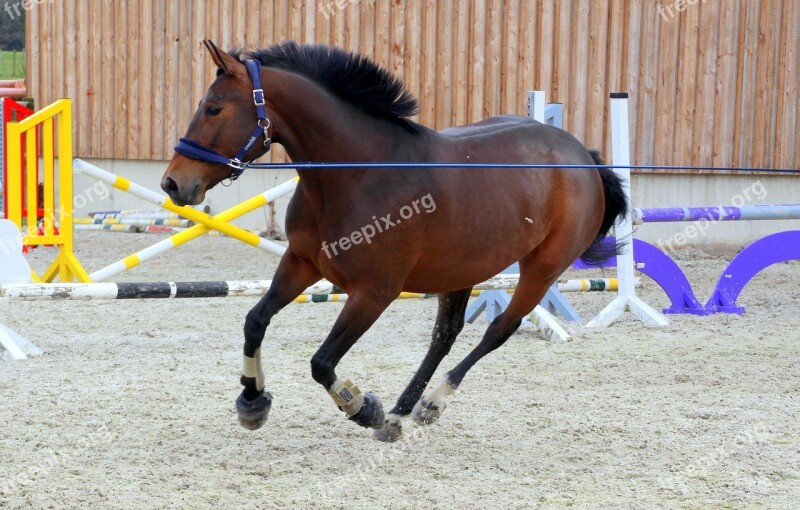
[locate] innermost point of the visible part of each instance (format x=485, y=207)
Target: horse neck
x=314, y=125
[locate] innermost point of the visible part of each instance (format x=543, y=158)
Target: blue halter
x=194, y=150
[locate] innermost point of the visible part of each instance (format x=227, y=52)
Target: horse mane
x=348, y=75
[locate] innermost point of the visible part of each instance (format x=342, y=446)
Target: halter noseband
x=194, y=150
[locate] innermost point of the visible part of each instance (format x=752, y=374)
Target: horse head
x=221, y=138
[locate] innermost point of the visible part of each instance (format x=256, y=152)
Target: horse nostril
x=170, y=186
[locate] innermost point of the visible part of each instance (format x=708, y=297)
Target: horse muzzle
x=182, y=194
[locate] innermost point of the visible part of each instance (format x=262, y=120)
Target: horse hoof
x=425, y=412
x=371, y=413
x=391, y=431
x=253, y=413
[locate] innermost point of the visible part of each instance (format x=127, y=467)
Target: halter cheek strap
x=194, y=150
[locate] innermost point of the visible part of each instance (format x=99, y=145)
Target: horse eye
x=213, y=110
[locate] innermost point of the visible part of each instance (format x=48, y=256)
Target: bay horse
x=376, y=232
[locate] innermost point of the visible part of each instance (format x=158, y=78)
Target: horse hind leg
x=449, y=323
x=535, y=279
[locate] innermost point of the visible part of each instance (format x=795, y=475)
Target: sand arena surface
x=131, y=406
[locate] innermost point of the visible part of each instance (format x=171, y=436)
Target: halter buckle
x=258, y=97
x=238, y=165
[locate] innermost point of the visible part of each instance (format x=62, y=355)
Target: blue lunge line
x=389, y=165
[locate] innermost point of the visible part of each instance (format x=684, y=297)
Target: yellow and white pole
x=216, y=223
x=195, y=231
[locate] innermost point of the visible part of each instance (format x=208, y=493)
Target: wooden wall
x=715, y=84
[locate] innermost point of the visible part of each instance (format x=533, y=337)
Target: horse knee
x=322, y=371
x=254, y=327
x=255, y=324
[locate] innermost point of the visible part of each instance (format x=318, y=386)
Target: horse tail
x=616, y=207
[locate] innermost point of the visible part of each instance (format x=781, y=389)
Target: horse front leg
x=360, y=311
x=291, y=278
x=449, y=323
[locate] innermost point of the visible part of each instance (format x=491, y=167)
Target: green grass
x=12, y=65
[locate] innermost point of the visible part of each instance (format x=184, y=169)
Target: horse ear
x=220, y=58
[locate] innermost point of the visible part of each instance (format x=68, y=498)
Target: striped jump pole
x=196, y=231
x=576, y=285
x=161, y=229
x=145, y=213
x=212, y=222
x=134, y=221
x=133, y=229
x=147, y=290
x=138, y=216
x=166, y=290
x=338, y=298
x=594, y=284
x=143, y=290
x=742, y=213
